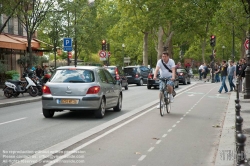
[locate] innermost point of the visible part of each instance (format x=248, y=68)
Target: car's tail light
x=116, y=71
x=180, y=74
x=46, y=90
x=150, y=76
x=93, y=90
x=136, y=75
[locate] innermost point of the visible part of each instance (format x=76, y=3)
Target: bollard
x=240, y=149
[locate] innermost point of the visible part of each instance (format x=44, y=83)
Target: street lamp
x=123, y=46
x=223, y=47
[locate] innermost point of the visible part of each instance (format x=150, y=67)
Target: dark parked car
x=118, y=74
x=155, y=83
x=137, y=74
x=184, y=76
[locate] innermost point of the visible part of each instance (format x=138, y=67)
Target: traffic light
x=212, y=40
x=107, y=47
x=104, y=45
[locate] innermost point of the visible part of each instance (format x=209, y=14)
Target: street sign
x=67, y=44
x=69, y=54
x=126, y=59
x=102, y=55
x=246, y=44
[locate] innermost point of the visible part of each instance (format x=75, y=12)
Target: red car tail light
x=46, y=90
x=180, y=74
x=150, y=76
x=93, y=90
x=117, y=77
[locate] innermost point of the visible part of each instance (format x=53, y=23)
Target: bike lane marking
x=13, y=120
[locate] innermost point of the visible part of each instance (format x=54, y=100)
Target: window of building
x=11, y=26
x=20, y=28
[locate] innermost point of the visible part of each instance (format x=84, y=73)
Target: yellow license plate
x=69, y=101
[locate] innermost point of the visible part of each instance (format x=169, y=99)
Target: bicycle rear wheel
x=162, y=104
x=168, y=104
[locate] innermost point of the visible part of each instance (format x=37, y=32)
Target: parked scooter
x=14, y=88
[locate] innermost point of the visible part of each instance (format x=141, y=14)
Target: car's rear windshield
x=73, y=76
x=130, y=70
x=111, y=70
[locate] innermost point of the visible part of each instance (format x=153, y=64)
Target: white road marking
x=191, y=95
x=13, y=121
x=142, y=157
x=150, y=149
x=164, y=135
x=159, y=141
x=178, y=122
x=173, y=125
x=181, y=118
x=184, y=115
x=169, y=130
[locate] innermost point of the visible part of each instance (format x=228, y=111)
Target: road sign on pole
x=67, y=44
x=102, y=55
x=246, y=44
x=126, y=59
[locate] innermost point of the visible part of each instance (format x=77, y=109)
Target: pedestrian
x=39, y=71
x=231, y=70
x=205, y=71
x=217, y=72
x=200, y=71
x=223, y=73
x=244, y=66
x=238, y=74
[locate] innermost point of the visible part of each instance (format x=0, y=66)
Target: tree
x=32, y=14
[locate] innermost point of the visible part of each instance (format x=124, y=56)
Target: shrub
x=11, y=74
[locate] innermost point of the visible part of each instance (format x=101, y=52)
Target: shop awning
x=34, y=44
x=7, y=42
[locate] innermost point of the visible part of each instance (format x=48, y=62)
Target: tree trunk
x=29, y=38
x=160, y=43
x=203, y=47
x=145, y=49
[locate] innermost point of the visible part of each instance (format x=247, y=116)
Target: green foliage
x=25, y=60
x=11, y=73
x=3, y=67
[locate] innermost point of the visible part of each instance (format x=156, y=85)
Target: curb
x=21, y=101
x=226, y=150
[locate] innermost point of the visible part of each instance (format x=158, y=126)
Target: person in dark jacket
x=242, y=74
x=238, y=72
x=223, y=72
x=39, y=71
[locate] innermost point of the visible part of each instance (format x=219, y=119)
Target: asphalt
x=226, y=154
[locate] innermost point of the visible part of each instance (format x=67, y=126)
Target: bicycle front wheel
x=168, y=104
x=162, y=104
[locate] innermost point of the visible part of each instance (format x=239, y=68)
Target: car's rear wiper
x=76, y=81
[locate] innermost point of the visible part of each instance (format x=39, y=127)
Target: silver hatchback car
x=81, y=88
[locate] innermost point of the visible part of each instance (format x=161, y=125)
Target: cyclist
x=167, y=70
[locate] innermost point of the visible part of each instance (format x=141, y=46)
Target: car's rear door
x=114, y=90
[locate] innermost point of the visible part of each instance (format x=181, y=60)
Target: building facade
x=13, y=44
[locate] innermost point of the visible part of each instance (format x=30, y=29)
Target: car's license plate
x=69, y=101
x=157, y=82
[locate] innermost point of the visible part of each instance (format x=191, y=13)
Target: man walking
x=231, y=75
x=223, y=76
x=244, y=66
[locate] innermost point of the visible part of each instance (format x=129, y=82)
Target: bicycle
x=165, y=104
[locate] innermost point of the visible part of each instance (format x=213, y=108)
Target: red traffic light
x=212, y=36
x=103, y=41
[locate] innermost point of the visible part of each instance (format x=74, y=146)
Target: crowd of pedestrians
x=230, y=70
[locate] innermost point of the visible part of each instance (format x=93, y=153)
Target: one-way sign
x=67, y=44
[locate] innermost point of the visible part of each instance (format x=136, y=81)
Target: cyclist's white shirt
x=163, y=71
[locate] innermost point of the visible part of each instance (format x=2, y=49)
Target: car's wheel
x=47, y=113
x=148, y=86
x=185, y=81
x=140, y=83
x=126, y=87
x=101, y=110
x=118, y=107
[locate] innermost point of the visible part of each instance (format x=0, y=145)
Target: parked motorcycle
x=38, y=82
x=14, y=88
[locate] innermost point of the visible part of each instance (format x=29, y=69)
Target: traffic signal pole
x=212, y=44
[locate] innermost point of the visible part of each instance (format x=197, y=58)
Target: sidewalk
x=21, y=99
x=226, y=151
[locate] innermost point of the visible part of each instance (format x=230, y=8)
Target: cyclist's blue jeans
x=169, y=82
